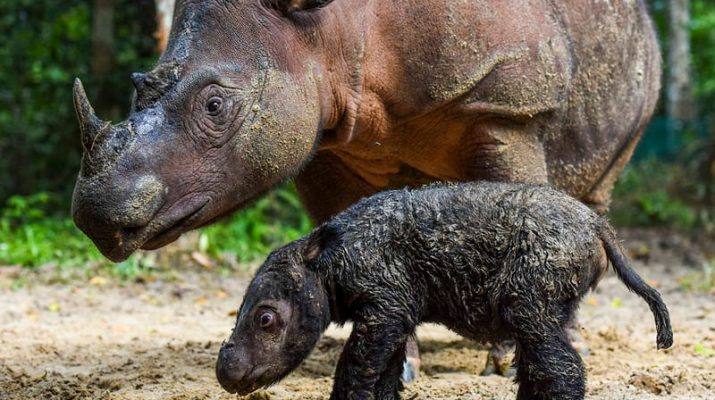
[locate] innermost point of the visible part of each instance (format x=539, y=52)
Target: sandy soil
x=159, y=339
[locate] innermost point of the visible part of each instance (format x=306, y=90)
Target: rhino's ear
x=322, y=244
x=289, y=6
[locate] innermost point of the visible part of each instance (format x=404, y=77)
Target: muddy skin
x=249, y=93
x=347, y=95
x=491, y=261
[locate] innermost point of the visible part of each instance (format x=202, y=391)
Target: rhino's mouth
x=171, y=228
x=162, y=230
x=254, y=381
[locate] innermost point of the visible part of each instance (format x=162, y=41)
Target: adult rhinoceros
x=351, y=97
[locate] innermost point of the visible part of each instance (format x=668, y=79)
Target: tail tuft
x=636, y=284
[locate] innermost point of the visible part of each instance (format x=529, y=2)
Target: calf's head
x=284, y=312
x=233, y=107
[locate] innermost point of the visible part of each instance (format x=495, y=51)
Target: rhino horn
x=89, y=124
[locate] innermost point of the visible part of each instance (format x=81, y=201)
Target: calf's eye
x=266, y=319
x=214, y=106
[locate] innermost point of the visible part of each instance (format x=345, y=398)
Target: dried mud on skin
x=159, y=340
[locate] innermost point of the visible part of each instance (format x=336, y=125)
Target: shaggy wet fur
x=492, y=261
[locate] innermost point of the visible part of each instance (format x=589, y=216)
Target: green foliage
x=702, y=35
x=703, y=351
x=702, y=31
x=30, y=237
x=274, y=220
x=652, y=193
x=46, y=44
x=700, y=281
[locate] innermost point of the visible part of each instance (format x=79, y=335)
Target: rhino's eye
x=266, y=319
x=214, y=106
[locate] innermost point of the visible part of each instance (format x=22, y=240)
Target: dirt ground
x=158, y=339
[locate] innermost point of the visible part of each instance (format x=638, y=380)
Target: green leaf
x=701, y=350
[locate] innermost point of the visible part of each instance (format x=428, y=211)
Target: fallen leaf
x=617, y=303
x=202, y=259
x=591, y=301
x=700, y=349
x=98, y=281
x=54, y=307
x=31, y=315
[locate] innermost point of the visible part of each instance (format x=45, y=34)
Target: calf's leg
x=370, y=364
x=389, y=385
x=549, y=369
x=547, y=365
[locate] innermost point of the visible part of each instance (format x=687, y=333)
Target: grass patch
x=650, y=193
x=701, y=281
x=30, y=236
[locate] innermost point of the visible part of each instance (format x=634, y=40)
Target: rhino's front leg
x=326, y=186
x=506, y=151
x=370, y=365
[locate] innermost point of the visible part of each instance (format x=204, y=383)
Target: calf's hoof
x=410, y=369
x=577, y=341
x=499, y=360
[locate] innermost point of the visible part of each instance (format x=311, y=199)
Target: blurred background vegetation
x=47, y=43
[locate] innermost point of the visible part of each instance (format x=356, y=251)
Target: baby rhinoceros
x=491, y=261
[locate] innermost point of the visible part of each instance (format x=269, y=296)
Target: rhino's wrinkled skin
x=352, y=97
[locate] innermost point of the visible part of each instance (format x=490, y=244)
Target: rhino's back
x=582, y=77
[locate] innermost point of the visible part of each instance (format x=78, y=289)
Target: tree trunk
x=103, y=53
x=164, y=15
x=680, y=104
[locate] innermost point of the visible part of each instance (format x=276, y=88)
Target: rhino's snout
x=232, y=371
x=116, y=216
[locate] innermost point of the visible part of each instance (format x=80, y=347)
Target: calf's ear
x=289, y=6
x=321, y=244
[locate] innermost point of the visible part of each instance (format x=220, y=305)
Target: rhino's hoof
x=492, y=368
x=578, y=341
x=410, y=369
x=499, y=360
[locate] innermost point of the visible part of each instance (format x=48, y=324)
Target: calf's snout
x=230, y=370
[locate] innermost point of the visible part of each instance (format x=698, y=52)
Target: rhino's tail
x=636, y=284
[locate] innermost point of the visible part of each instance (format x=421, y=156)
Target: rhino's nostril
x=131, y=230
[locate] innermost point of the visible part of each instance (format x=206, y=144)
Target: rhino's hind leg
x=411, y=365
x=504, y=153
x=390, y=385
x=501, y=152
x=499, y=360
x=599, y=197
